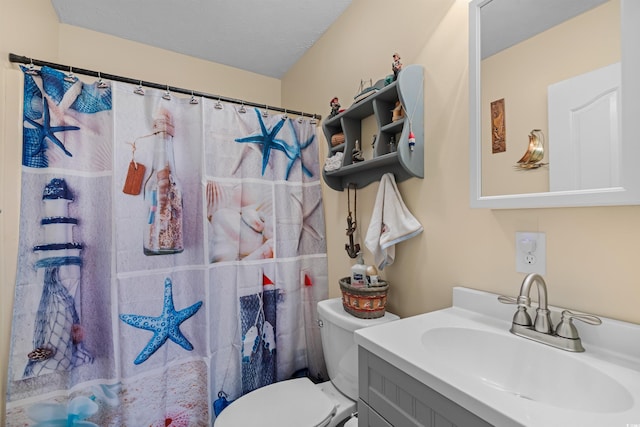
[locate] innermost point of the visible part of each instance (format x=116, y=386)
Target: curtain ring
x=167, y=94
x=193, y=99
x=101, y=83
x=31, y=69
x=139, y=90
x=70, y=77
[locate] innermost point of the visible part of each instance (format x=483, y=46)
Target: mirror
x=522, y=66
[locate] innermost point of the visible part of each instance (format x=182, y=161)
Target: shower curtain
x=171, y=255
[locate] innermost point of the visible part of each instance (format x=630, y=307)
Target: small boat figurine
x=534, y=153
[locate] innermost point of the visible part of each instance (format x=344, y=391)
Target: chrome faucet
x=564, y=336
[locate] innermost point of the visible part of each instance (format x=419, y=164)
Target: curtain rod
x=25, y=60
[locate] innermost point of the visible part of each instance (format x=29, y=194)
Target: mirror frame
x=629, y=191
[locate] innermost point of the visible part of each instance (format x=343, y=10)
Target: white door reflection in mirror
x=584, y=131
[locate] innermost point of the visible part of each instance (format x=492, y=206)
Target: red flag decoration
x=266, y=281
x=307, y=280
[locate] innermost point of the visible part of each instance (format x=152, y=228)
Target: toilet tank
x=338, y=345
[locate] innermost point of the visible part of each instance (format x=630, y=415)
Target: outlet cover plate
x=531, y=252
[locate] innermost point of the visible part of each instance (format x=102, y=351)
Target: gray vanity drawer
x=403, y=401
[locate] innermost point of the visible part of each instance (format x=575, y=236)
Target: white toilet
x=300, y=402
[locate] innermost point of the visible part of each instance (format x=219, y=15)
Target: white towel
x=391, y=223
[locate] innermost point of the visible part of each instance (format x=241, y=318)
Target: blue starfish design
x=46, y=131
x=166, y=326
x=296, y=152
x=268, y=140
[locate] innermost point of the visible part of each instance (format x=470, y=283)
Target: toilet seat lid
x=296, y=402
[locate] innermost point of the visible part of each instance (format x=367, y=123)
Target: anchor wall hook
x=352, y=248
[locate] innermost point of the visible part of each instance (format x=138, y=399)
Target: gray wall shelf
x=403, y=163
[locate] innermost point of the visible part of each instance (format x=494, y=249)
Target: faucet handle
x=521, y=317
x=520, y=300
x=567, y=329
x=507, y=300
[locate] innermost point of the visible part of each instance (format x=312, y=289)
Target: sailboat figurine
x=535, y=151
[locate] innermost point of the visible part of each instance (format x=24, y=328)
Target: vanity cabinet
x=400, y=160
x=390, y=397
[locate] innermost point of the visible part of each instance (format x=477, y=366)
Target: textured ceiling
x=262, y=36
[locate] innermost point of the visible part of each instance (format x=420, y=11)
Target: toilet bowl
x=299, y=402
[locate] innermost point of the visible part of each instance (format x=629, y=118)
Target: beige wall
x=591, y=252
x=521, y=74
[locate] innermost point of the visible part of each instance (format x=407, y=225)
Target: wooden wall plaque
x=498, y=130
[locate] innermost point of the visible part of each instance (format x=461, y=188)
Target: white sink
x=527, y=369
x=467, y=354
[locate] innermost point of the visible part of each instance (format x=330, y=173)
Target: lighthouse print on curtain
x=171, y=256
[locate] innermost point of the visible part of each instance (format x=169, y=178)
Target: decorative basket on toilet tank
x=364, y=302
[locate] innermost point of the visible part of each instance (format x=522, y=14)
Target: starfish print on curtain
x=268, y=141
x=267, y=138
x=296, y=152
x=52, y=107
x=46, y=131
x=164, y=327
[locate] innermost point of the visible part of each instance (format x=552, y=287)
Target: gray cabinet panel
x=369, y=417
x=403, y=401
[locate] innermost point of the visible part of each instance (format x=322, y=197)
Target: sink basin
x=466, y=354
x=526, y=369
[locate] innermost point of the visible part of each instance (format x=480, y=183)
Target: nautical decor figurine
x=412, y=141
x=335, y=107
x=535, y=151
x=396, y=65
x=356, y=154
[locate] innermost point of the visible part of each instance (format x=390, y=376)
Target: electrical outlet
x=531, y=252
